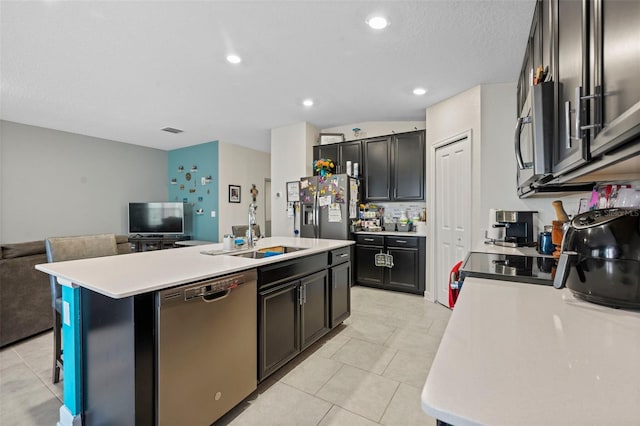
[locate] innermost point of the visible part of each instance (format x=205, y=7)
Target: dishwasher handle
x=214, y=297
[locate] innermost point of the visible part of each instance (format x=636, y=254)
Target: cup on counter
x=227, y=242
x=545, y=244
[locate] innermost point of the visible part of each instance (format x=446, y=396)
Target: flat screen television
x=157, y=218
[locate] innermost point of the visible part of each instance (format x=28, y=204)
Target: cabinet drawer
x=340, y=255
x=402, y=241
x=370, y=240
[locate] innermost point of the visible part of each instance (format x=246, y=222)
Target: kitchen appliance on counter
x=206, y=348
x=508, y=267
x=518, y=226
x=600, y=257
x=328, y=204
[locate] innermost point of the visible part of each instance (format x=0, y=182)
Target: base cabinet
x=408, y=271
x=293, y=313
x=340, y=281
x=279, y=335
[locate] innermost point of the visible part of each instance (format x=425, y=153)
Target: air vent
x=172, y=130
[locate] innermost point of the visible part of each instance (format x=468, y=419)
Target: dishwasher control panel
x=205, y=288
x=212, y=287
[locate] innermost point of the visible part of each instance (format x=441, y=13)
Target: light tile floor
x=368, y=371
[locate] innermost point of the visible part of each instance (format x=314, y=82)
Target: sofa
x=25, y=294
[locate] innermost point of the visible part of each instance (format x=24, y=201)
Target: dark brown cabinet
x=377, y=169
x=279, y=336
x=294, y=300
x=572, y=70
x=592, y=50
x=314, y=307
x=340, y=274
x=340, y=153
x=394, y=167
x=408, y=271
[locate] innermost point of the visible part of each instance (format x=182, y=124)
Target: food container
x=404, y=227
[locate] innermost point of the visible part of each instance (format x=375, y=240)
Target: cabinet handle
x=516, y=140
x=578, y=112
x=300, y=296
x=400, y=241
x=368, y=239
x=304, y=294
x=567, y=126
x=343, y=255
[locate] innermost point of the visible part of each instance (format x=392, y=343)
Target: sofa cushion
x=11, y=251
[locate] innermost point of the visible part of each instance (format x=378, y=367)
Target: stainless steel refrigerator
x=328, y=205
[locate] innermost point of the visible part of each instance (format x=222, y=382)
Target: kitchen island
x=109, y=316
x=524, y=354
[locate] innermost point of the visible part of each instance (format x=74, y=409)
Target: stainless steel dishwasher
x=206, y=348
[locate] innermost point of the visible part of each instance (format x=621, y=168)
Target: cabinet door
x=618, y=71
x=279, y=333
x=340, y=293
x=408, y=166
x=350, y=151
x=404, y=274
x=328, y=152
x=367, y=273
x=315, y=307
x=377, y=172
x=572, y=68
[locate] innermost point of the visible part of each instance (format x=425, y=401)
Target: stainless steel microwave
x=534, y=138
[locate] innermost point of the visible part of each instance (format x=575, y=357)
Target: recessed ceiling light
x=307, y=102
x=419, y=91
x=378, y=22
x=234, y=59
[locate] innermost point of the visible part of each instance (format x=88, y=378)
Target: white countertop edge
x=105, y=275
x=392, y=233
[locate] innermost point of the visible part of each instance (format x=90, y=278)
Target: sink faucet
x=251, y=238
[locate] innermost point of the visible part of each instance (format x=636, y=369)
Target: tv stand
x=155, y=242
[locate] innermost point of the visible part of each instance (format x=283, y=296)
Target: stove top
x=509, y=267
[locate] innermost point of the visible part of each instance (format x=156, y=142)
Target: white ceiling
x=122, y=70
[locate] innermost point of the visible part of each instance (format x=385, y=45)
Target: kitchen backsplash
x=395, y=210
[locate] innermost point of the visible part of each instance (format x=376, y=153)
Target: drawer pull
x=401, y=241
x=343, y=255
x=368, y=239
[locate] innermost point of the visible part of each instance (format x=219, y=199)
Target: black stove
x=508, y=267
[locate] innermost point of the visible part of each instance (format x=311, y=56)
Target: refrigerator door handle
x=316, y=217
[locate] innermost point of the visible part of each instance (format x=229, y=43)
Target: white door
x=453, y=210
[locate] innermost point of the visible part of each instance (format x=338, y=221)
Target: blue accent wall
x=192, y=191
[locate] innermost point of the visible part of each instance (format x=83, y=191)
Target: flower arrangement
x=324, y=167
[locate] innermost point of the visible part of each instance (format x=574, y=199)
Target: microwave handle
x=516, y=140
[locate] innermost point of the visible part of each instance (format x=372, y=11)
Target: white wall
x=451, y=117
x=57, y=183
x=291, y=157
x=240, y=166
x=498, y=166
x=369, y=129
x=489, y=112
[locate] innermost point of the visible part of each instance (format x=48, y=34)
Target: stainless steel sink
x=268, y=252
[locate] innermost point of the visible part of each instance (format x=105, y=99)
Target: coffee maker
x=518, y=228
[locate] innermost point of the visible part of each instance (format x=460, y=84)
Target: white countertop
x=136, y=273
x=524, y=354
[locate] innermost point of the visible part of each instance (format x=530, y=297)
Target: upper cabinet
x=616, y=74
x=592, y=51
x=340, y=153
x=394, y=167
